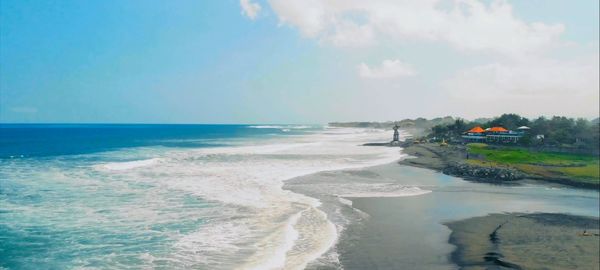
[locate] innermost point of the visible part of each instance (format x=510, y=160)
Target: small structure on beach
x=396, y=138
x=493, y=135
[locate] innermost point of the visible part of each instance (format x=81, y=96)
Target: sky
x=295, y=61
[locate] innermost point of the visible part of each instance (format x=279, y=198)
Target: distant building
x=502, y=135
x=523, y=129
x=494, y=135
x=476, y=134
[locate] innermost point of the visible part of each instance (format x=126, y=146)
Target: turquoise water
x=168, y=196
x=59, y=209
x=213, y=197
x=57, y=214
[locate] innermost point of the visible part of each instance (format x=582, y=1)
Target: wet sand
x=408, y=232
x=526, y=241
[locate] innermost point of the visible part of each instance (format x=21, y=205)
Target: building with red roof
x=497, y=129
x=476, y=134
x=476, y=129
x=492, y=135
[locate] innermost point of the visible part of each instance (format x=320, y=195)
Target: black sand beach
x=526, y=241
x=408, y=232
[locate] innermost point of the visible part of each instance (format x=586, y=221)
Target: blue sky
x=294, y=61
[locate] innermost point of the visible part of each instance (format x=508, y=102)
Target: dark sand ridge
x=409, y=232
x=513, y=241
x=526, y=241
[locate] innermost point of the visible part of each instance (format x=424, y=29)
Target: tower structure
x=396, y=139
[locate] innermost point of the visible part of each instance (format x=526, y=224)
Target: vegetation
x=585, y=168
x=417, y=127
x=405, y=123
x=588, y=173
x=558, y=131
x=577, y=140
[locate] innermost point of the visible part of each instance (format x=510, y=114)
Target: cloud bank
x=464, y=24
x=525, y=59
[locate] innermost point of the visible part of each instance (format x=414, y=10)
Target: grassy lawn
x=583, y=168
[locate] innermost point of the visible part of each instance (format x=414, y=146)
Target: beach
x=402, y=224
x=172, y=196
x=526, y=241
x=292, y=135
x=242, y=197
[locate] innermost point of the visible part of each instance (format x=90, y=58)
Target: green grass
x=590, y=171
x=583, y=168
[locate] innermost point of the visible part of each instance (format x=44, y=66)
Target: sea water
x=170, y=196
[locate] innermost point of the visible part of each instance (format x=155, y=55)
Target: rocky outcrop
x=482, y=173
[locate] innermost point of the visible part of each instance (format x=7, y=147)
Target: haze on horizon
x=295, y=61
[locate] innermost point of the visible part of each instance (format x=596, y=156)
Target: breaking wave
x=210, y=208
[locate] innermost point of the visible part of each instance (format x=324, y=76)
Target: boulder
x=482, y=173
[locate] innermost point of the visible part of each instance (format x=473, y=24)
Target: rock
x=482, y=173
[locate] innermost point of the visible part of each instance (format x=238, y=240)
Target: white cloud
x=464, y=24
x=250, y=9
x=528, y=69
x=532, y=85
x=349, y=34
x=307, y=15
x=388, y=69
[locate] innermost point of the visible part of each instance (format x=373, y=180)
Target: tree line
x=557, y=131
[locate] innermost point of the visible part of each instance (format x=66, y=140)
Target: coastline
x=342, y=194
x=477, y=240
x=372, y=233
x=451, y=160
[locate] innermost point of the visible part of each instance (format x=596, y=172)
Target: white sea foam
x=345, y=201
x=260, y=225
x=403, y=192
x=126, y=165
x=283, y=127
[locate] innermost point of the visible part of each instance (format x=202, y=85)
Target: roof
x=476, y=129
x=498, y=129
x=524, y=127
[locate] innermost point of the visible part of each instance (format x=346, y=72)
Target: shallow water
x=407, y=232
x=165, y=197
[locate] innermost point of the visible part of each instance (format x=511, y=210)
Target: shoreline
x=410, y=232
x=450, y=160
x=360, y=209
x=338, y=190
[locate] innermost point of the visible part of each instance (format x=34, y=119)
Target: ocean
x=104, y=196
x=236, y=197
